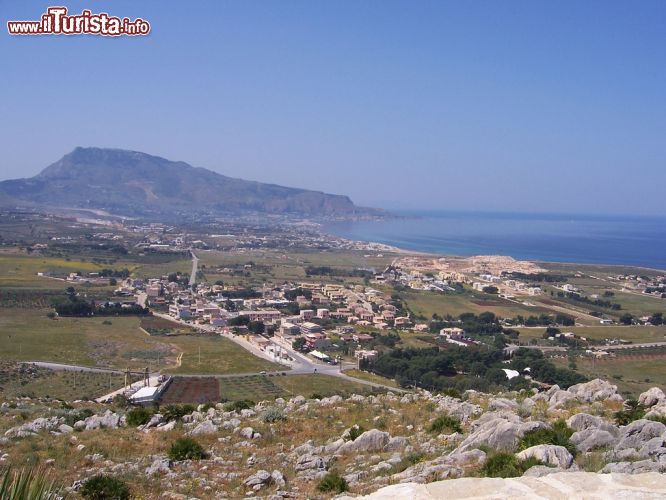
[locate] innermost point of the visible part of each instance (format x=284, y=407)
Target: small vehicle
x=263, y=372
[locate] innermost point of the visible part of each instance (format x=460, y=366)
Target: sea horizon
x=618, y=239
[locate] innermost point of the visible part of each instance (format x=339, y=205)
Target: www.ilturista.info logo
x=56, y=21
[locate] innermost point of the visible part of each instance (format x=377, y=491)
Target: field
x=213, y=355
x=256, y=388
x=20, y=271
x=371, y=377
x=632, y=374
x=17, y=380
x=280, y=266
x=635, y=334
x=428, y=303
x=117, y=342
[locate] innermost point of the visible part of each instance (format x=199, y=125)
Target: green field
x=634, y=334
x=120, y=344
x=427, y=303
x=632, y=374
x=371, y=377
x=20, y=271
x=210, y=355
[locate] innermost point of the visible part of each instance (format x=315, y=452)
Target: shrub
x=138, y=416
x=243, y=404
x=444, y=422
x=316, y=395
x=633, y=410
x=507, y=465
x=186, y=449
x=272, y=414
x=102, y=487
x=73, y=417
x=27, y=483
x=355, y=432
x=177, y=412
x=332, y=483
x=558, y=434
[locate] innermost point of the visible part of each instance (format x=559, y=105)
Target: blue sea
x=629, y=240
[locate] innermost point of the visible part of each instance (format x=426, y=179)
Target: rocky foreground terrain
x=287, y=448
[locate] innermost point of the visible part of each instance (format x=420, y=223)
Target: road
x=195, y=266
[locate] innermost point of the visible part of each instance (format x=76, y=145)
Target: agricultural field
x=371, y=377
x=20, y=271
x=25, y=380
x=635, y=334
x=426, y=304
x=117, y=342
x=632, y=373
x=256, y=388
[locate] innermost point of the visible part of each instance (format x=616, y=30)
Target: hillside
x=134, y=183
x=317, y=446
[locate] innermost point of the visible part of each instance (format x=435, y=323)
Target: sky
x=526, y=106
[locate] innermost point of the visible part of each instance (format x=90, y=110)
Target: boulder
x=594, y=390
x=638, y=433
x=548, y=454
x=585, y=421
x=258, y=480
x=369, y=441
x=396, y=443
x=108, y=420
x=160, y=465
x=444, y=467
x=652, y=397
x=309, y=462
x=593, y=439
x=499, y=431
x=247, y=432
x=205, y=427
x=635, y=467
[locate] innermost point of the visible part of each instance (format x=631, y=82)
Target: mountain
x=134, y=183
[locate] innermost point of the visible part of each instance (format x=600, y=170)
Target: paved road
x=195, y=265
x=630, y=346
x=61, y=367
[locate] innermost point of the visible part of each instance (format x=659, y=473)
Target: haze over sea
x=595, y=239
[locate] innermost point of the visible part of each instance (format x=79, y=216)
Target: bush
x=27, y=483
x=138, y=416
x=272, y=414
x=507, y=465
x=633, y=410
x=186, y=449
x=316, y=395
x=355, y=432
x=332, y=483
x=102, y=487
x=177, y=412
x=558, y=435
x=243, y=404
x=73, y=417
x=444, y=422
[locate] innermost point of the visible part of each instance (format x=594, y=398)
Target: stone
x=159, y=465
x=594, y=390
x=499, y=431
x=260, y=478
x=205, y=427
x=593, y=439
x=396, y=443
x=585, y=421
x=548, y=454
x=308, y=462
x=639, y=432
x=443, y=467
x=553, y=486
x=278, y=479
x=369, y=441
x=652, y=397
x=247, y=432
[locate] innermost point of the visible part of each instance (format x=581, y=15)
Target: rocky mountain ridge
x=134, y=183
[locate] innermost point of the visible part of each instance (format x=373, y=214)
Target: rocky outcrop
x=651, y=397
x=595, y=390
x=638, y=433
x=444, y=467
x=552, y=486
x=549, y=454
x=369, y=441
x=499, y=431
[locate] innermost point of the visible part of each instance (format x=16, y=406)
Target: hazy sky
x=500, y=105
